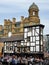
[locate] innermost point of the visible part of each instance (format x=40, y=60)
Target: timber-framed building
x=24, y=37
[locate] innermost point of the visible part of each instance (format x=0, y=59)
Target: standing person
x=28, y=59
x=19, y=60
x=13, y=60
x=16, y=60
x=9, y=60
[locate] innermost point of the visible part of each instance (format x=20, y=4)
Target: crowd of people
x=18, y=60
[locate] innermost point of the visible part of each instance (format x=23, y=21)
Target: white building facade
x=33, y=38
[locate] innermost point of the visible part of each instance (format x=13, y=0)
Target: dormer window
x=33, y=13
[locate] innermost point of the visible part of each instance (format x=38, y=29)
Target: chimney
x=14, y=20
x=5, y=20
x=9, y=20
x=22, y=18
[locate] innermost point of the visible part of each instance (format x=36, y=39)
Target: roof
x=12, y=38
x=41, y=25
x=34, y=6
x=47, y=34
x=18, y=23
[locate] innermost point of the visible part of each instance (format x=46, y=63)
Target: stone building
x=25, y=36
x=16, y=27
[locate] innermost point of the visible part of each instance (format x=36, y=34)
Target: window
x=37, y=48
x=29, y=29
x=25, y=40
x=9, y=34
x=41, y=40
x=34, y=49
x=15, y=44
x=37, y=37
x=25, y=35
x=11, y=48
x=36, y=32
x=28, y=39
x=26, y=24
x=34, y=23
x=15, y=49
x=41, y=48
x=1, y=32
x=33, y=39
x=28, y=44
x=5, y=46
x=8, y=27
x=41, y=31
x=21, y=42
x=22, y=50
x=32, y=44
x=25, y=30
x=31, y=49
x=37, y=26
x=25, y=44
x=27, y=49
x=29, y=33
x=37, y=42
x=33, y=31
x=33, y=13
x=17, y=24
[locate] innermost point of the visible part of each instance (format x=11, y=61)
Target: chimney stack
x=9, y=20
x=5, y=20
x=22, y=18
x=14, y=20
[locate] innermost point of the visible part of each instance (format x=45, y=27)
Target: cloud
x=23, y=3
x=17, y=8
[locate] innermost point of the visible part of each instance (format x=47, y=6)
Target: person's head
x=13, y=56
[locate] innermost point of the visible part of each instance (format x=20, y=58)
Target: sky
x=18, y=8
